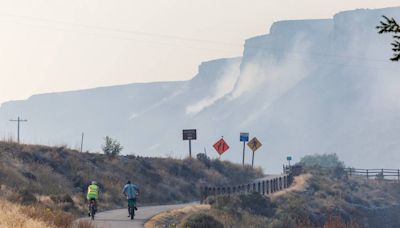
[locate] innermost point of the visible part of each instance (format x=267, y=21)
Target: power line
x=148, y=34
x=104, y=28
x=292, y=52
x=129, y=39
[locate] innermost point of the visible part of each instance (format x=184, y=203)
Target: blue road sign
x=289, y=158
x=244, y=137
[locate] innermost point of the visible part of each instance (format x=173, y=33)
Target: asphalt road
x=119, y=218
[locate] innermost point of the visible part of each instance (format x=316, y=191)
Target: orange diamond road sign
x=254, y=144
x=221, y=146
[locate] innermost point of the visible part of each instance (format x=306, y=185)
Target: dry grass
x=337, y=222
x=16, y=216
x=169, y=217
x=84, y=224
x=300, y=183
x=53, y=218
x=13, y=216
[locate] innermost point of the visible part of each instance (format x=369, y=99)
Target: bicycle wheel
x=92, y=211
x=132, y=212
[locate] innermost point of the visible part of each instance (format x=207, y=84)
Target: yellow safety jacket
x=93, y=192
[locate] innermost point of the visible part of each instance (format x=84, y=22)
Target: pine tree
x=111, y=147
x=389, y=25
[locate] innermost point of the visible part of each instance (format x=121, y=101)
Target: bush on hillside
x=204, y=159
x=200, y=221
x=27, y=197
x=253, y=203
x=111, y=147
x=324, y=161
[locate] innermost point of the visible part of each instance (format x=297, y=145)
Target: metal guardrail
x=265, y=186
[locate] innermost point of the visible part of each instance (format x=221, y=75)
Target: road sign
x=289, y=158
x=244, y=137
x=221, y=146
x=189, y=134
x=254, y=144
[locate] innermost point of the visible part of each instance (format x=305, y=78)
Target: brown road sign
x=254, y=144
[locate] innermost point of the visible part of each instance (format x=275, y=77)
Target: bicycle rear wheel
x=92, y=212
x=132, y=212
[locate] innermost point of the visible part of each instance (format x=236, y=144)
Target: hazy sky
x=54, y=45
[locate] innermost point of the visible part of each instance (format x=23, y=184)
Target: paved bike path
x=119, y=218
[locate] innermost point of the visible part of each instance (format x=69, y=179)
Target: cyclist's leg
x=95, y=205
x=134, y=203
x=129, y=207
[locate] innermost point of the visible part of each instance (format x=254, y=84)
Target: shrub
x=204, y=159
x=27, y=197
x=200, y=221
x=111, y=147
x=257, y=204
x=324, y=161
x=253, y=203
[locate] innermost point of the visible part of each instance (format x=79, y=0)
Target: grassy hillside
x=323, y=196
x=57, y=177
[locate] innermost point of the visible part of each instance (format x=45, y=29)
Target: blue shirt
x=131, y=191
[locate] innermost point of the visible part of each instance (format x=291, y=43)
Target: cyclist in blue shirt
x=131, y=191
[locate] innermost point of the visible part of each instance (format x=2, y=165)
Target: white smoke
x=223, y=87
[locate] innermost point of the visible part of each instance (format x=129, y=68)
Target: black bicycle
x=131, y=208
x=92, y=208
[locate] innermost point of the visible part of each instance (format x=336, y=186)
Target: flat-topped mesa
x=359, y=19
x=285, y=36
x=210, y=70
x=354, y=33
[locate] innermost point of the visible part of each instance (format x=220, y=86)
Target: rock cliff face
x=309, y=86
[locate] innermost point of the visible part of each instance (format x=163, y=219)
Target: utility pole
x=82, y=142
x=18, y=120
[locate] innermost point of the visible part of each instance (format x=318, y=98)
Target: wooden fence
x=379, y=174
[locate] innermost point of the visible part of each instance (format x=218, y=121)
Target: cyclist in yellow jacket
x=92, y=194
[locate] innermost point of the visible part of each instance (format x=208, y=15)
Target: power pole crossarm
x=18, y=120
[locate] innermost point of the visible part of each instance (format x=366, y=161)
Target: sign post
x=244, y=137
x=189, y=134
x=254, y=145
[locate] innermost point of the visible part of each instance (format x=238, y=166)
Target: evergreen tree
x=389, y=25
x=111, y=147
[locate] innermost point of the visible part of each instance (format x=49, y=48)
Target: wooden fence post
x=398, y=175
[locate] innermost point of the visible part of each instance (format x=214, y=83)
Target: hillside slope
x=58, y=177
x=319, y=198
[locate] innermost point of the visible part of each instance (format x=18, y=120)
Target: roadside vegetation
x=35, y=216
x=56, y=178
x=330, y=199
